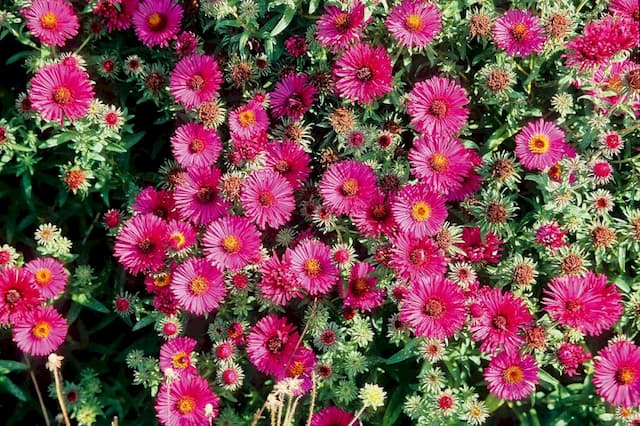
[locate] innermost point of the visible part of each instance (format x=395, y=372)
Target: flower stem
x=313, y=397
x=357, y=416
x=45, y=414
x=63, y=406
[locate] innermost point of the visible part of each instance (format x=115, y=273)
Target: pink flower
x=363, y=73
x=116, y=14
x=540, y=145
x=40, y=332
x=414, y=23
x=289, y=159
x=248, y=120
x=176, y=354
x=361, y=291
x=292, y=96
x=300, y=367
x=195, y=146
x=198, y=198
x=519, y=33
x=419, y=211
x=271, y=343
x=182, y=235
x=267, y=198
x=195, y=80
x=416, y=258
x=337, y=29
x=18, y=294
x=626, y=8
x=437, y=106
x=571, y=356
x=433, y=308
x=375, y=218
x=331, y=416
x=586, y=303
x=198, y=286
x=141, y=244
x=279, y=284
x=478, y=248
x=617, y=374
x=157, y=21
x=441, y=162
x=48, y=275
x=346, y=186
x=311, y=262
x=296, y=46
x=158, y=203
x=552, y=236
x=510, y=376
x=53, y=22
x=58, y=91
x=231, y=242
x=184, y=402
x=504, y=317
x=601, y=171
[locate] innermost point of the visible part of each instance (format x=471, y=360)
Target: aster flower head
x=232, y=243
x=195, y=80
x=271, y=343
x=292, y=96
x=53, y=22
x=159, y=203
x=267, y=198
x=300, y=366
x=437, y=106
x=511, y=376
x=198, y=286
x=40, y=331
x=346, y=186
x=157, y=21
x=434, y=308
x=248, y=121
x=176, y=354
x=414, y=23
x=198, y=197
x=540, y=145
x=290, y=160
x=361, y=291
x=58, y=91
x=18, y=294
x=184, y=402
x=419, y=211
x=195, y=146
x=279, y=284
x=363, y=73
x=376, y=217
x=519, y=33
x=49, y=276
x=626, y=8
x=571, y=356
x=416, y=258
x=337, y=29
x=311, y=262
x=141, y=244
x=617, y=374
x=331, y=416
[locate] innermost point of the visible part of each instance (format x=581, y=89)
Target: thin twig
x=357, y=416
x=45, y=414
x=63, y=406
x=313, y=397
x=258, y=415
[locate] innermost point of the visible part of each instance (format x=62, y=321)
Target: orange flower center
x=41, y=329
x=231, y=244
x=62, y=96
x=295, y=369
x=157, y=22
x=420, y=211
x=439, y=162
x=186, y=404
x=178, y=239
x=266, y=199
x=438, y=108
x=513, y=375
x=342, y=22
x=350, y=187
x=49, y=21
x=312, y=267
x=180, y=360
x=162, y=280
x=196, y=83
x=625, y=375
x=414, y=23
x=196, y=145
x=614, y=84
x=539, y=144
x=519, y=30
x=43, y=277
x=359, y=286
x=434, y=307
x=247, y=118
x=199, y=285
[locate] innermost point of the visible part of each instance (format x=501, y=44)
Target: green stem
x=84, y=43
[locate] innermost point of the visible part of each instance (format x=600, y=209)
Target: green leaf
x=9, y=365
x=18, y=56
x=493, y=403
x=394, y=407
x=89, y=302
x=284, y=22
x=12, y=388
x=404, y=354
x=144, y=322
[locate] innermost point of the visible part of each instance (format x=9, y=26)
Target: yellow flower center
x=312, y=267
x=186, y=404
x=614, y=84
x=43, y=277
x=420, y=211
x=539, y=144
x=62, y=96
x=513, y=375
x=439, y=162
x=156, y=22
x=178, y=238
x=180, y=360
x=295, y=369
x=342, y=22
x=231, y=244
x=247, y=118
x=162, y=280
x=414, y=23
x=350, y=187
x=49, y=21
x=625, y=375
x=199, y=285
x=41, y=329
x=519, y=30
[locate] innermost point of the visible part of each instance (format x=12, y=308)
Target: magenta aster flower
x=416, y=258
x=331, y=416
x=346, y=186
x=182, y=235
x=337, y=29
x=361, y=291
x=198, y=198
x=419, y=211
x=195, y=146
x=617, y=374
x=248, y=121
x=300, y=367
x=437, y=106
x=141, y=244
x=195, y=80
x=433, y=308
x=504, y=316
x=157, y=21
x=571, y=357
x=184, y=402
x=40, y=331
x=49, y=276
x=363, y=73
x=540, y=144
x=289, y=159
x=58, y=91
x=510, y=376
x=292, y=96
x=232, y=242
x=53, y=22
x=552, y=236
x=586, y=303
x=279, y=284
x=198, y=286
x=271, y=343
x=519, y=33
x=118, y=15
x=414, y=23
x=375, y=218
x=311, y=262
x=176, y=354
x=478, y=248
x=441, y=162
x=159, y=203
x=627, y=8
x=18, y=294
x=267, y=198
